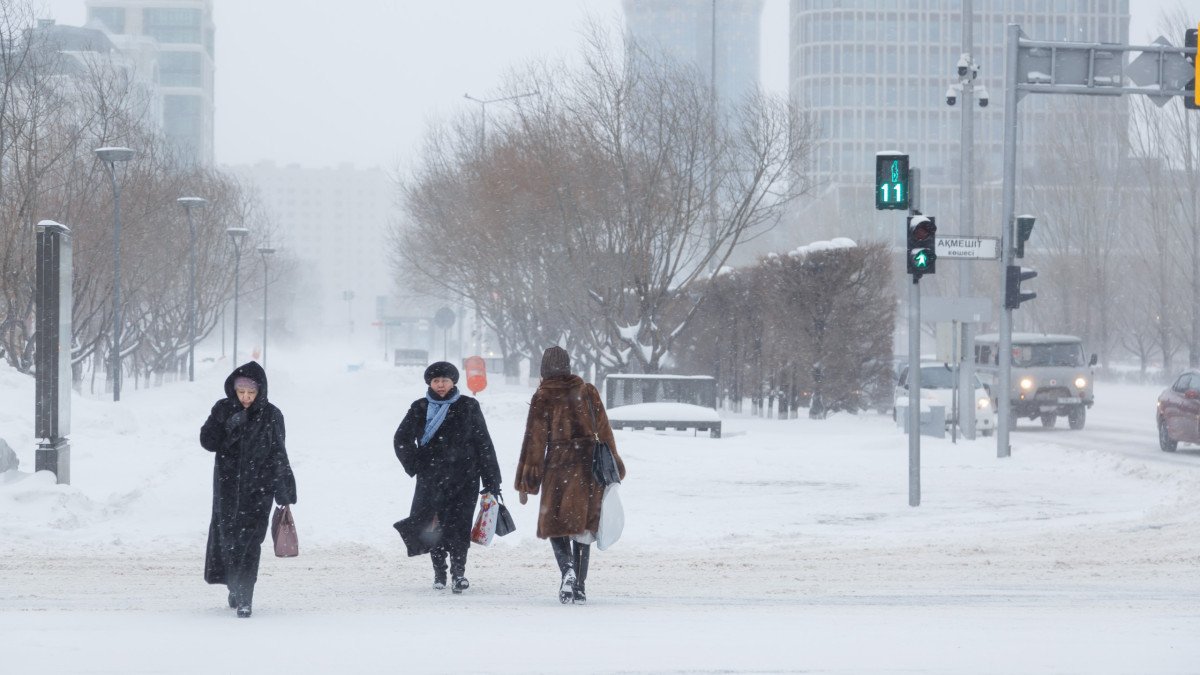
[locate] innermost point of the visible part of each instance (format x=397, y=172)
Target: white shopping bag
x=485, y=522
x=612, y=518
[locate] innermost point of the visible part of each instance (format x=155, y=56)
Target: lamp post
x=188, y=203
x=266, y=252
x=236, y=234
x=110, y=156
x=483, y=104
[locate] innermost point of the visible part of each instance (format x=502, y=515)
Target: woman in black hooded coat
x=444, y=442
x=251, y=469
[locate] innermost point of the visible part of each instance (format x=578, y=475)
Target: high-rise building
x=184, y=31
x=333, y=222
x=89, y=53
x=875, y=75
x=683, y=29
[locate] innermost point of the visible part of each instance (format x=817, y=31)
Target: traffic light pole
x=1004, y=395
x=1161, y=71
x=914, y=392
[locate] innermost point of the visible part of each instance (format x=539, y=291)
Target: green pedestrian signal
x=891, y=181
x=921, y=251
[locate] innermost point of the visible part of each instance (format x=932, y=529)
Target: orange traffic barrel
x=476, y=369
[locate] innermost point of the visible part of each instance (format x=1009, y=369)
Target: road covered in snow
x=783, y=546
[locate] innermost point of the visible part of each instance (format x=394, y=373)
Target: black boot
x=245, y=595
x=566, y=565
x=439, y=568
x=231, y=583
x=582, y=553
x=458, y=571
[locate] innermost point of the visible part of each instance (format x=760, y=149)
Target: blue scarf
x=436, y=414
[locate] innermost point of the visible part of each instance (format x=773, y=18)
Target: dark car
x=1178, y=413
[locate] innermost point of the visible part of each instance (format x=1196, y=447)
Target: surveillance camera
x=964, y=62
x=951, y=96
x=983, y=97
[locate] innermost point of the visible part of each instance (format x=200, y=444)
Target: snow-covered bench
x=663, y=416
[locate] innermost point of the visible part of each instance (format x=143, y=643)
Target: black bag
x=504, y=521
x=420, y=536
x=604, y=467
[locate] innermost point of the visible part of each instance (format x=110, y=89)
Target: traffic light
x=891, y=181
x=1014, y=275
x=922, y=242
x=1189, y=41
x=1024, y=229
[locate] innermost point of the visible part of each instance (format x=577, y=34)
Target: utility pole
x=966, y=214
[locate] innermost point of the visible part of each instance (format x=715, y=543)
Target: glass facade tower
x=875, y=74
x=184, y=31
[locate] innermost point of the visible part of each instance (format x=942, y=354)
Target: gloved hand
x=235, y=420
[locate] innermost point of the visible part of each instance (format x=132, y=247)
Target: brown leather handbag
x=283, y=533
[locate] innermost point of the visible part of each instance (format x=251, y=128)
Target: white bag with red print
x=485, y=522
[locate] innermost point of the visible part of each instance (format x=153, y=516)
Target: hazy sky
x=319, y=82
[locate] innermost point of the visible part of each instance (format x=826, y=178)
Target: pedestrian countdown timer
x=891, y=181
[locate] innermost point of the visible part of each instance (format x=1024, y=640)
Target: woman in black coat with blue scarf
x=251, y=469
x=444, y=442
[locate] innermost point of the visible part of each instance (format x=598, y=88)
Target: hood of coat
x=253, y=371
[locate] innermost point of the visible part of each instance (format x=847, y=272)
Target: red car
x=1178, y=413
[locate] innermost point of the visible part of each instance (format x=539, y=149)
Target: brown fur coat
x=557, y=455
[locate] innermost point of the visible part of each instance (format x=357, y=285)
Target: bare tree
x=593, y=207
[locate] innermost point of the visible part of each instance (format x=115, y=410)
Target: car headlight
x=1080, y=382
x=983, y=403
x=1027, y=383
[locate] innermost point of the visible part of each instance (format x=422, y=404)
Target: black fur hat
x=441, y=369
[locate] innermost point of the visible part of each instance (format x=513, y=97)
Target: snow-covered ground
x=784, y=546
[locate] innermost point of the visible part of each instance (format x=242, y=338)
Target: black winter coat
x=251, y=469
x=457, y=459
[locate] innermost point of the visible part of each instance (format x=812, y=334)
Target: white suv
x=937, y=388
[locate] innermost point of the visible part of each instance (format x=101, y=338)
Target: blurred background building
x=684, y=30
x=184, y=32
x=333, y=223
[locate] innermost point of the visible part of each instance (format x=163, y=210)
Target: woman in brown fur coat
x=557, y=456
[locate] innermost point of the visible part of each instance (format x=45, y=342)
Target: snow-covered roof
x=1030, y=338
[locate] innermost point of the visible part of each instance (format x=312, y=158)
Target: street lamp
x=483, y=104
x=110, y=156
x=236, y=234
x=188, y=203
x=266, y=252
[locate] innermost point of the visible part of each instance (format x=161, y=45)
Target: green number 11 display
x=891, y=181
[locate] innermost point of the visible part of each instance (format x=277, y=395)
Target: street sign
x=444, y=318
x=1170, y=68
x=970, y=248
